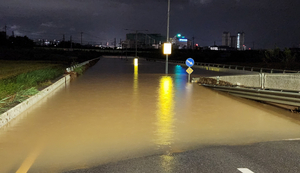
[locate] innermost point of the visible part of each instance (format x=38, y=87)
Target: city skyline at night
x=267, y=23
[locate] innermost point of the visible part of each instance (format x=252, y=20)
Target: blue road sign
x=190, y=62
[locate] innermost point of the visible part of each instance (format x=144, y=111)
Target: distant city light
x=178, y=35
x=183, y=39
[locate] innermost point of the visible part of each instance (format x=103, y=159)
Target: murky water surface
x=118, y=110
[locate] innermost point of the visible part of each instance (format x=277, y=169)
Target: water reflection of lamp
x=135, y=75
x=165, y=121
x=165, y=112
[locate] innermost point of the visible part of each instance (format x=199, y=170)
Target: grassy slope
x=16, y=89
x=22, y=72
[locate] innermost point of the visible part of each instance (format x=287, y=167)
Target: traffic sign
x=190, y=62
x=189, y=70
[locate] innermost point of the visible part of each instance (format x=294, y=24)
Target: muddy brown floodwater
x=118, y=110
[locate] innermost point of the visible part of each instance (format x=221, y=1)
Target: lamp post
x=168, y=28
x=136, y=43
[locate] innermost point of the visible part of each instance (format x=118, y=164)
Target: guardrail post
x=244, y=68
x=271, y=70
x=261, y=70
x=251, y=68
x=261, y=80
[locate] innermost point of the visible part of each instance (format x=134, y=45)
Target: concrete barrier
x=17, y=110
x=285, y=82
x=282, y=81
x=245, y=80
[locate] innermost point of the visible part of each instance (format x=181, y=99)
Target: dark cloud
x=265, y=22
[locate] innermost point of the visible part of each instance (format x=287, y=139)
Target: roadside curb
x=17, y=110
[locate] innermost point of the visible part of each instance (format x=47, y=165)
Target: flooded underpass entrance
x=120, y=110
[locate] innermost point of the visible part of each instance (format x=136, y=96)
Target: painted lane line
x=292, y=139
x=245, y=170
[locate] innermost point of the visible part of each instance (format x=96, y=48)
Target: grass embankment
x=21, y=79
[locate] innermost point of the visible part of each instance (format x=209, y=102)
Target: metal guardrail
x=279, y=98
x=69, y=69
x=235, y=67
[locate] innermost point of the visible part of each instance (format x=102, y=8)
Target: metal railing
x=234, y=67
x=291, y=99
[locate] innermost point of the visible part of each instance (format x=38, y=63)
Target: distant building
x=180, y=42
x=143, y=40
x=226, y=40
x=233, y=42
x=240, y=41
x=237, y=42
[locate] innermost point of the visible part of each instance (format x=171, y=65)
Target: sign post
x=189, y=62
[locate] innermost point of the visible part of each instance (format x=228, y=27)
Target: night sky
x=266, y=23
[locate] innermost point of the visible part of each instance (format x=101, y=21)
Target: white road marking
x=292, y=139
x=245, y=170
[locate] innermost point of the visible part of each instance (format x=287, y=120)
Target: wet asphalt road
x=267, y=157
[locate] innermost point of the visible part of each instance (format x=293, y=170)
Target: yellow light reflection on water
x=135, y=76
x=165, y=112
x=165, y=121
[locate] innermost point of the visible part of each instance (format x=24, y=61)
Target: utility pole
x=193, y=42
x=81, y=38
x=71, y=41
x=115, y=42
x=5, y=27
x=136, y=43
x=63, y=40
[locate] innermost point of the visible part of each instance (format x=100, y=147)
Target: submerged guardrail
x=289, y=100
x=233, y=67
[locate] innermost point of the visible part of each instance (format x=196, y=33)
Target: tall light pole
x=136, y=43
x=168, y=28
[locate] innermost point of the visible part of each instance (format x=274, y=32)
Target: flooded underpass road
x=118, y=111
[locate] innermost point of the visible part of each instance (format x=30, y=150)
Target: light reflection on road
x=165, y=112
